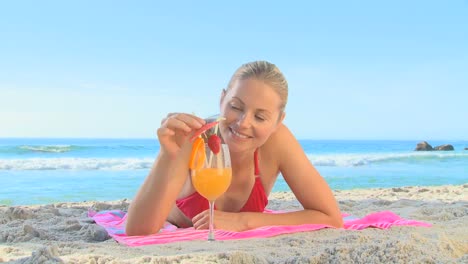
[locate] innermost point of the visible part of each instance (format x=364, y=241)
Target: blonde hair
x=266, y=72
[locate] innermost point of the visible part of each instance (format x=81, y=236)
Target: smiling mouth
x=239, y=135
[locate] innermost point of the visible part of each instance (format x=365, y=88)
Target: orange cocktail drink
x=211, y=182
x=210, y=167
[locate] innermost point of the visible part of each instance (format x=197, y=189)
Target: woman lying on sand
x=260, y=146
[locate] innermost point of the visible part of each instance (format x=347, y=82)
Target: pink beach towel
x=114, y=222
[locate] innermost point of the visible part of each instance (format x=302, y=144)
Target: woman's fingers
x=190, y=120
x=175, y=129
x=201, y=220
x=167, y=117
x=164, y=131
x=174, y=123
x=185, y=122
x=205, y=225
x=198, y=217
x=201, y=121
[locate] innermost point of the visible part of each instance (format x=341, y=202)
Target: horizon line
x=321, y=139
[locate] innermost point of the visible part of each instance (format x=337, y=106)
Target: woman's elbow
x=131, y=231
x=140, y=230
x=337, y=221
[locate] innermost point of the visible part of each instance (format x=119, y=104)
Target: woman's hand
x=222, y=220
x=176, y=129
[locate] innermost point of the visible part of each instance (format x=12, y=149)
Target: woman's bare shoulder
x=281, y=134
x=280, y=140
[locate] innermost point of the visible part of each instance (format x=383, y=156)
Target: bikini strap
x=257, y=169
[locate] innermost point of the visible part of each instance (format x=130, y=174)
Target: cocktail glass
x=212, y=177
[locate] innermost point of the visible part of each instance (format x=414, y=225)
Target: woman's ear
x=280, y=119
x=283, y=115
x=223, y=94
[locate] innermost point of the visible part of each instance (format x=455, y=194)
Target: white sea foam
x=332, y=160
x=76, y=164
x=349, y=160
x=50, y=148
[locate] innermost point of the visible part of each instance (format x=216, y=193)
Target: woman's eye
x=259, y=118
x=235, y=107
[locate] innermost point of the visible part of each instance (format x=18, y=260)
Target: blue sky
x=356, y=69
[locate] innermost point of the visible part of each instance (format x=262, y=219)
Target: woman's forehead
x=255, y=91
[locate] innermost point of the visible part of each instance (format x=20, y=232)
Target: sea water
x=39, y=171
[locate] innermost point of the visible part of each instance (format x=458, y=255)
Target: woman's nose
x=244, y=121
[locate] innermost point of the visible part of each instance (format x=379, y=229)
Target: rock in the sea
x=423, y=146
x=444, y=147
x=466, y=148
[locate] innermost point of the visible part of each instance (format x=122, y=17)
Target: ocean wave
x=49, y=148
x=352, y=160
x=336, y=160
x=62, y=149
x=76, y=164
x=37, y=149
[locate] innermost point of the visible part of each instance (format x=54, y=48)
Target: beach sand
x=62, y=232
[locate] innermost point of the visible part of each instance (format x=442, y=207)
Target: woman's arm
x=249, y=220
x=253, y=220
x=153, y=202
x=310, y=189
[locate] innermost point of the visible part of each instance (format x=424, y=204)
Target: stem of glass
x=211, y=236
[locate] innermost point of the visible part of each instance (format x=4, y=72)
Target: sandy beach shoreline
x=62, y=233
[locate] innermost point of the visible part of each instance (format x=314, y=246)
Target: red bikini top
x=195, y=203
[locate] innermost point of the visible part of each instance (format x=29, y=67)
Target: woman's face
x=252, y=110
